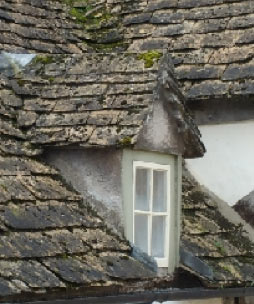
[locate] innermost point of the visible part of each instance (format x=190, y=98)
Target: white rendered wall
x=227, y=169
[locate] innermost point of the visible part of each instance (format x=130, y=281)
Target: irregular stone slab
x=58, y=135
x=102, y=241
x=42, y=216
x=75, y=271
x=19, y=148
x=232, y=269
x=32, y=273
x=47, y=188
x=121, y=266
x=12, y=187
x=208, y=89
x=10, y=99
x=23, y=166
x=38, y=244
x=7, y=289
x=235, y=72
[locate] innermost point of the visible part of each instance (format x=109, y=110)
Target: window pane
x=158, y=236
x=142, y=189
x=141, y=232
x=159, y=191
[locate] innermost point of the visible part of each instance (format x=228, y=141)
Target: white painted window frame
x=161, y=262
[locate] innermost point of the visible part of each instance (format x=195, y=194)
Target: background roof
x=211, y=41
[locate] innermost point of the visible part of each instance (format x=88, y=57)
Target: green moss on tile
x=51, y=79
x=20, y=82
x=44, y=59
x=220, y=248
x=150, y=58
x=125, y=141
x=98, y=23
x=3, y=187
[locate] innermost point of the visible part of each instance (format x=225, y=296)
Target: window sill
x=162, y=262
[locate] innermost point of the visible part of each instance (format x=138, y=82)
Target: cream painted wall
x=227, y=169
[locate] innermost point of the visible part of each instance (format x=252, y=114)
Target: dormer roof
x=102, y=100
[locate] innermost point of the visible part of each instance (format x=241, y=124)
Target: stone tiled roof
x=222, y=252
x=53, y=242
x=245, y=207
x=50, y=240
x=211, y=41
x=98, y=100
x=53, y=26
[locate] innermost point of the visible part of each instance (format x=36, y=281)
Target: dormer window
x=151, y=196
x=151, y=208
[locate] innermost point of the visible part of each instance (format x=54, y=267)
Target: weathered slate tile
x=100, y=240
x=235, y=72
x=20, y=148
x=241, y=22
x=243, y=89
x=74, y=271
x=50, y=215
x=206, y=72
x=161, y=4
x=210, y=246
x=55, y=120
x=231, y=55
x=231, y=269
x=167, y=17
x=37, y=244
x=32, y=273
x=70, y=242
x=115, y=266
x=7, y=128
x=47, y=188
x=23, y=166
x=26, y=119
x=208, y=89
x=137, y=19
x=13, y=188
x=10, y=99
x=105, y=136
x=55, y=135
x=7, y=289
x=39, y=105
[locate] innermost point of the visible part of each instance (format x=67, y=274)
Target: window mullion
x=151, y=191
x=167, y=228
x=151, y=212
x=150, y=219
x=133, y=204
